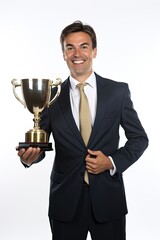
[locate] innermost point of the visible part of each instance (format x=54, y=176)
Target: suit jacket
x=114, y=109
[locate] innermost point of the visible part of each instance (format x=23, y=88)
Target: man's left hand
x=97, y=162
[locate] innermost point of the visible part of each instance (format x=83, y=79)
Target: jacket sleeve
x=137, y=140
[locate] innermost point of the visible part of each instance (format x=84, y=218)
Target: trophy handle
x=57, y=84
x=16, y=84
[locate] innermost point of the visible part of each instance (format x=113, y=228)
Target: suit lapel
x=65, y=104
x=102, y=93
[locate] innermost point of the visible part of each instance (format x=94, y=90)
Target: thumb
x=92, y=153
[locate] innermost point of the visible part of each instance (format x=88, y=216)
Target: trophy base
x=42, y=146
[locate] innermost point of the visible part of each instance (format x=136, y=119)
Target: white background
x=128, y=33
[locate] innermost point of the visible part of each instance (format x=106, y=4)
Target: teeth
x=78, y=61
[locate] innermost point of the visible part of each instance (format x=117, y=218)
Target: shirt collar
x=91, y=81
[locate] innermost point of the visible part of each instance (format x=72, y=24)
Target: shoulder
x=111, y=85
x=104, y=80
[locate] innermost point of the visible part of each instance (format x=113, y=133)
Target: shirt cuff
x=114, y=170
x=27, y=164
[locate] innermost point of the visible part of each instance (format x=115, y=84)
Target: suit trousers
x=85, y=222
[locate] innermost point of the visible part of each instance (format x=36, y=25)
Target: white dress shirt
x=91, y=92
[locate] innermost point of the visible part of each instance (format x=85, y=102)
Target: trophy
x=36, y=94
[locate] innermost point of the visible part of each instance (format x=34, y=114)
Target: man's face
x=78, y=54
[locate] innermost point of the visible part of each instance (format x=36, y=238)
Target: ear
x=64, y=56
x=94, y=52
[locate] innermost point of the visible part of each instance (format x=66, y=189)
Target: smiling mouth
x=78, y=61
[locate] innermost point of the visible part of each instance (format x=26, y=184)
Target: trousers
x=84, y=222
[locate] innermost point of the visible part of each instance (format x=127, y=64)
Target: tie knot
x=80, y=86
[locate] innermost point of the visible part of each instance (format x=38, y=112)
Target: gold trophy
x=36, y=96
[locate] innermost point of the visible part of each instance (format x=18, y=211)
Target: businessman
x=87, y=192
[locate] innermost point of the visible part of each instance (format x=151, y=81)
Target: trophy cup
x=36, y=96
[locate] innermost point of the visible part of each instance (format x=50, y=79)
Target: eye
x=84, y=47
x=69, y=48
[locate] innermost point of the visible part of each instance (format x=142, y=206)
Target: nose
x=77, y=51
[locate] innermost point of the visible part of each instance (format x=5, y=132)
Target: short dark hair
x=78, y=26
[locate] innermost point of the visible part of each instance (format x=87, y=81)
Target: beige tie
x=85, y=119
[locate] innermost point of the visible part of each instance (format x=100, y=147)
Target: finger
x=91, y=159
x=34, y=154
x=91, y=167
x=31, y=155
x=92, y=171
x=26, y=155
x=93, y=154
x=21, y=152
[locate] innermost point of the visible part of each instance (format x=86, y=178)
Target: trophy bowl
x=36, y=95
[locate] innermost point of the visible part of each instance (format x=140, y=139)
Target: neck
x=81, y=78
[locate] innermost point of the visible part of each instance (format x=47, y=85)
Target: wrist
x=113, y=169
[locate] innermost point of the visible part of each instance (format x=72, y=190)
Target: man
x=87, y=191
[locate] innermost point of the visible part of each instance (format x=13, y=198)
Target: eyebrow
x=70, y=44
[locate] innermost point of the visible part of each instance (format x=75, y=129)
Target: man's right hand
x=29, y=155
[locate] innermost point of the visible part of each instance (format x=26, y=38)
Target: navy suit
x=114, y=109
